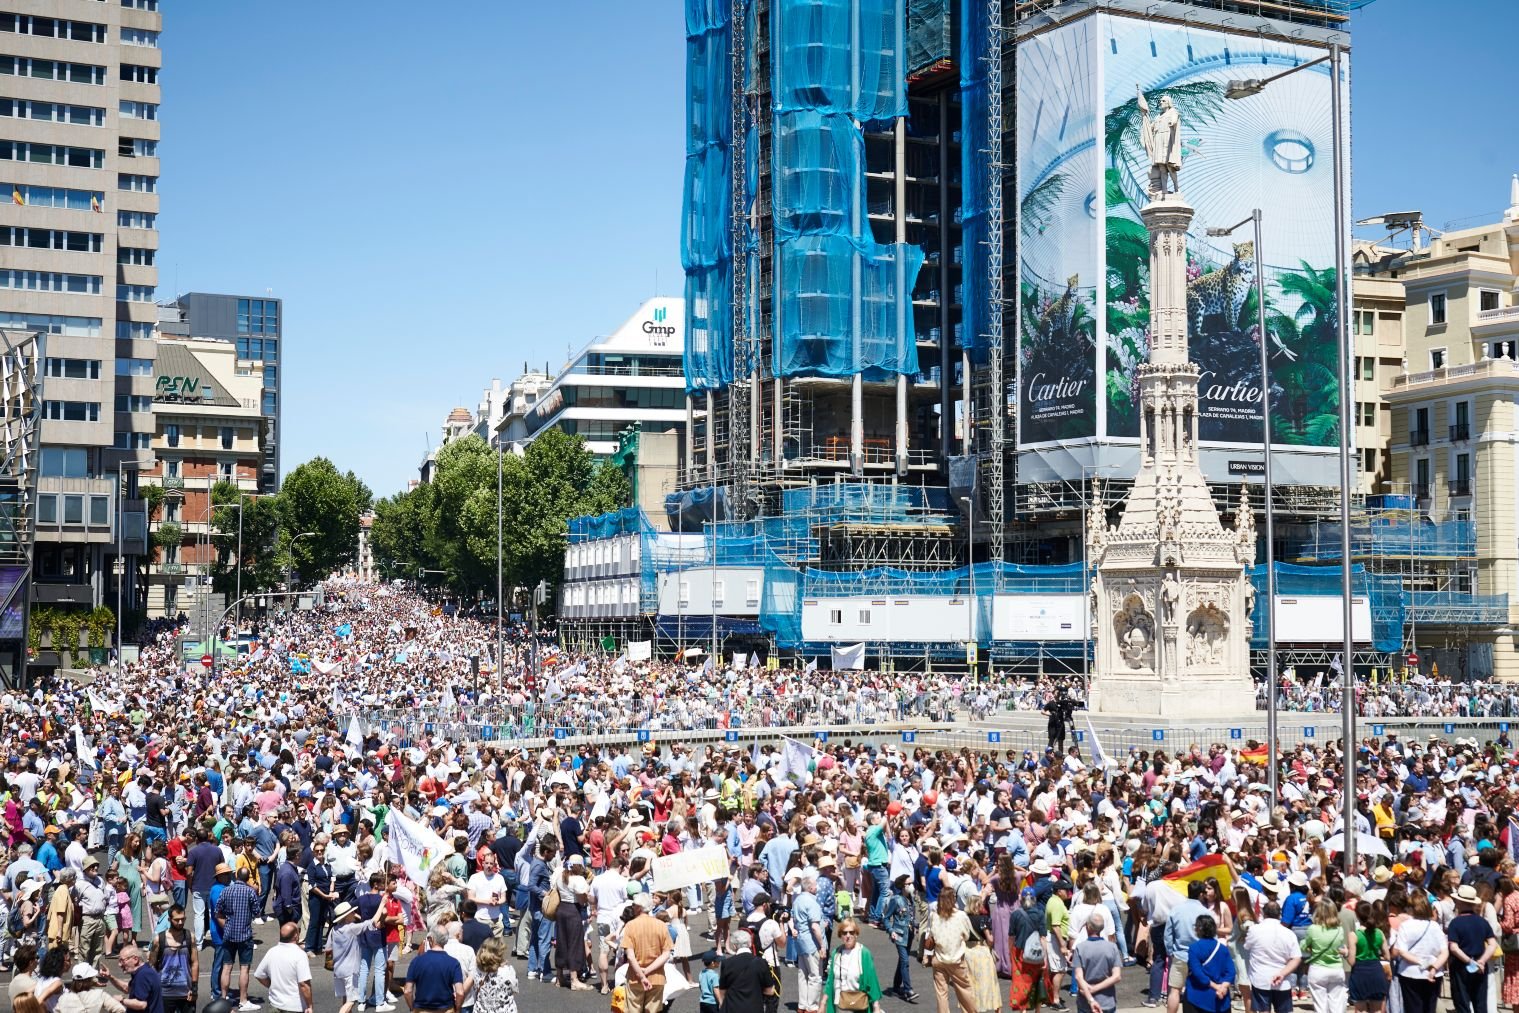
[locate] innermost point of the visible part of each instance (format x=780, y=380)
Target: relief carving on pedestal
x=1135, y=631
x=1207, y=636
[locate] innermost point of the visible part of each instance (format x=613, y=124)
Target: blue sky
x=441, y=194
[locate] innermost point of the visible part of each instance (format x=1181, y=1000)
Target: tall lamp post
x=1272, y=773
x=289, y=575
x=500, y=634
x=237, y=618
x=122, y=467
x=1242, y=90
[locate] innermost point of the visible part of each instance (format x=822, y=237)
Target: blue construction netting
x=1385, y=595
x=842, y=300
x=1392, y=533
x=629, y=521
x=706, y=240
x=975, y=178
x=929, y=34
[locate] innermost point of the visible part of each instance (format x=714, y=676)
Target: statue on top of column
x=1161, y=136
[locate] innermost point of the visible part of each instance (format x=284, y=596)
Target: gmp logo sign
x=657, y=328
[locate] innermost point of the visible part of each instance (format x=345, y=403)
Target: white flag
x=98, y=703
x=754, y=660
x=796, y=757
x=448, y=705
x=640, y=650
x=356, y=734
x=1099, y=755
x=848, y=658
x=740, y=662
x=413, y=845
x=82, y=748
x=812, y=666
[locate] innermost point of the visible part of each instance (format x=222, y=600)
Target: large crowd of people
x=179, y=835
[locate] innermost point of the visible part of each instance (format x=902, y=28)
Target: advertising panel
x=1058, y=223
x=1039, y=617
x=1083, y=253
x=1272, y=150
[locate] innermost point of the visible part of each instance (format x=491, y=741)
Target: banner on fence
x=850, y=658
x=688, y=868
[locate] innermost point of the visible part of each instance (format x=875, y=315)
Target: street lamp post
x=290, y=574
x=500, y=634
x=1245, y=89
x=1272, y=773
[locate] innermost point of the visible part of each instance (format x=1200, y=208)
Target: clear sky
x=443, y=193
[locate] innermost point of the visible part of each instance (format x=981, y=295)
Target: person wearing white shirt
x=1272, y=953
x=286, y=972
x=609, y=895
x=1421, y=951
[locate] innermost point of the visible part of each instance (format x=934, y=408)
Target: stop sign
x=205, y=659
x=1413, y=659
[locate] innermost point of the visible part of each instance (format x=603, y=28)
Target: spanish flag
x=1256, y=754
x=1212, y=867
x=16, y=197
x=95, y=205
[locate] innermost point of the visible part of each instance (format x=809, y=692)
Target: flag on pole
x=413, y=845
x=95, y=205
x=812, y=666
x=1212, y=867
x=356, y=734
x=82, y=748
x=1337, y=666
x=1100, y=757
x=1256, y=754
x=796, y=760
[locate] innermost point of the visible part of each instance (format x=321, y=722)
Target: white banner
x=688, y=868
x=848, y=658
x=413, y=845
x=640, y=650
x=82, y=749
x=796, y=757
x=326, y=667
x=1099, y=755
x=356, y=734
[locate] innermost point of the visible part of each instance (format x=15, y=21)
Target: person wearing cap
x=86, y=993
x=347, y=956
x=95, y=898
x=1472, y=946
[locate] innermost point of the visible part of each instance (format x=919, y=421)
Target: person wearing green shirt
x=1057, y=927
x=876, y=858
x=1324, y=950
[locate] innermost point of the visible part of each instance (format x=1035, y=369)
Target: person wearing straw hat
x=1472, y=946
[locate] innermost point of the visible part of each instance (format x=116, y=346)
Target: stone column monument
x=1171, y=598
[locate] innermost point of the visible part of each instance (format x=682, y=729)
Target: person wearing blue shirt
x=708, y=982
x=48, y=853
x=1210, y=968
x=1295, y=911
x=807, y=924
x=1180, y=934
x=775, y=857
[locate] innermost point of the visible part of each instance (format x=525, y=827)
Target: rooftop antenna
x=1398, y=222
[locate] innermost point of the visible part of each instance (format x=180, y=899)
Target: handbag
x=853, y=999
x=851, y=861
x=551, y=902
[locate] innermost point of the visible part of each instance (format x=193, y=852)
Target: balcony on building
x=1419, y=437
x=1460, y=487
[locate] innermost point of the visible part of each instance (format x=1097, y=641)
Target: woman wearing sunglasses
x=852, y=984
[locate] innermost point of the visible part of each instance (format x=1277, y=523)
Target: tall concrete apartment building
x=252, y=324
x=79, y=131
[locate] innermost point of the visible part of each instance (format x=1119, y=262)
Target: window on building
x=1437, y=309
x=228, y=435
x=1421, y=478
x=135, y=330
x=1503, y=350
x=1365, y=322
x=258, y=316
x=1461, y=483
x=71, y=369
x=752, y=591
x=685, y=592
x=864, y=617
x=836, y=617
x=134, y=403
x=52, y=154
x=136, y=147
x=71, y=411
x=1368, y=368
x=171, y=509
x=134, y=441
x=136, y=256
x=136, y=182
x=719, y=591
x=139, y=37
x=1368, y=410
x=1369, y=460
x=170, y=554
x=136, y=220
x=1420, y=433
x=1437, y=358
x=139, y=74
x=100, y=510
x=131, y=110
x=64, y=462
x=73, y=509
x=47, y=509
x=171, y=467
x=171, y=434
x=51, y=239
x=52, y=70
x=134, y=367
x=1487, y=299
x=225, y=471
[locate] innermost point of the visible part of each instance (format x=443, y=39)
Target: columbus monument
x=1171, y=597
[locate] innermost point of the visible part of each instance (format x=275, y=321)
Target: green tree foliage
x=317, y=498
x=262, y=557
x=450, y=524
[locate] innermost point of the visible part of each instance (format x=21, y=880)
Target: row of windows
x=134, y=293
x=137, y=219
x=136, y=147
x=71, y=411
x=52, y=323
x=134, y=403
x=136, y=182
x=134, y=367
x=55, y=197
x=71, y=369
x=258, y=316
x=172, y=433
x=134, y=330
x=139, y=37
x=53, y=112
x=138, y=74
x=141, y=5
x=73, y=509
x=136, y=256
x=53, y=28
x=52, y=154
x=51, y=239
x=258, y=349
x=52, y=70
x=134, y=441
x=51, y=281
x=139, y=110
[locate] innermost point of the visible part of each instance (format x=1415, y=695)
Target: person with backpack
x=1026, y=940
x=897, y=917
x=174, y=956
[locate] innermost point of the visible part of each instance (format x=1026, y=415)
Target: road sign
x=1310, y=732
x=821, y=736
x=731, y=736
x=994, y=737
x=487, y=732
x=561, y=733
x=206, y=659
x=1450, y=729
x=643, y=735
x=1379, y=730
x=1236, y=733
x=1158, y=734
x=909, y=736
